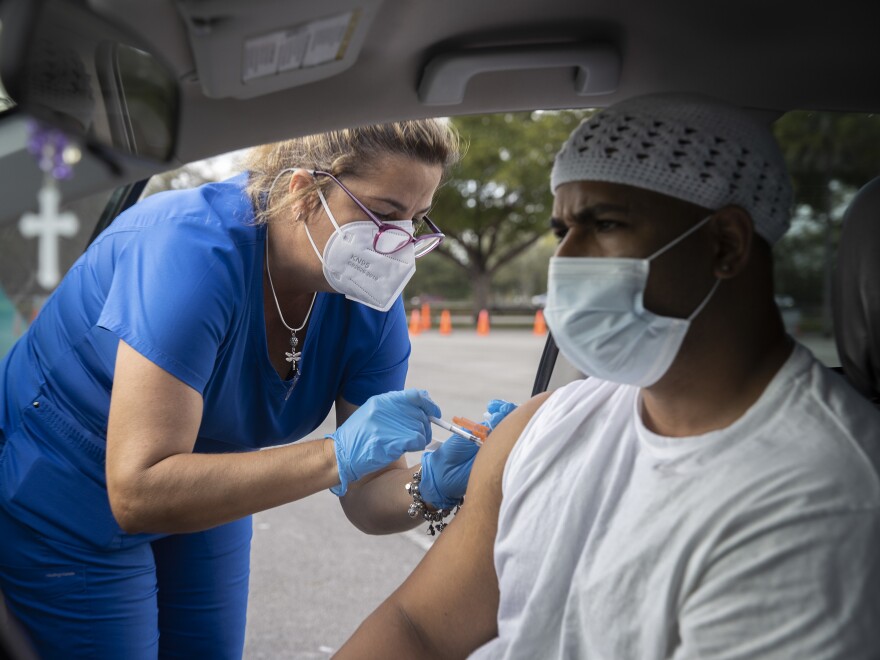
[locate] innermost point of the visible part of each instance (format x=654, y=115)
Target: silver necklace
x=294, y=356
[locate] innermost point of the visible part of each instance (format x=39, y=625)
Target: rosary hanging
x=293, y=356
x=56, y=155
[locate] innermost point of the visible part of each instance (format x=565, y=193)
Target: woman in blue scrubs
x=202, y=325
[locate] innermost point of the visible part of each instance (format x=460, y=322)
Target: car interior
x=856, y=299
x=144, y=87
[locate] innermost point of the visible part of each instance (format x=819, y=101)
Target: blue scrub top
x=179, y=277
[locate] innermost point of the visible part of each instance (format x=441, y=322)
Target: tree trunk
x=482, y=284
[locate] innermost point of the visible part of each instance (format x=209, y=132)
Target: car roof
x=757, y=54
x=771, y=57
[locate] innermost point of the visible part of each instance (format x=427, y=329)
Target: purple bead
x=47, y=145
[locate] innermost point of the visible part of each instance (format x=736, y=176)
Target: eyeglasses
x=390, y=239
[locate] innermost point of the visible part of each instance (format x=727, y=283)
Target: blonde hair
x=352, y=151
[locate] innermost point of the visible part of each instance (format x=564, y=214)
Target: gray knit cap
x=690, y=147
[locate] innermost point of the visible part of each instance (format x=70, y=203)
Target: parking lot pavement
x=464, y=370
x=314, y=577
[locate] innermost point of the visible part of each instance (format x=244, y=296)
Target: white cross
x=48, y=225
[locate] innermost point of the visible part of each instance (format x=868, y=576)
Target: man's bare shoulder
x=454, y=587
x=485, y=481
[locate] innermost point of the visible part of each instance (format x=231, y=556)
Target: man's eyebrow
x=590, y=212
x=400, y=208
x=598, y=209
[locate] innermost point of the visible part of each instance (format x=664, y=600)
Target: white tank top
x=757, y=540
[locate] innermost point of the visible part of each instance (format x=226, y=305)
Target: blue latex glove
x=496, y=410
x=381, y=431
x=445, y=472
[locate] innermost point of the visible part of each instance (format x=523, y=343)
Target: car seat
x=13, y=643
x=856, y=292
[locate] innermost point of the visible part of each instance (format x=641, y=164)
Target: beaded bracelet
x=419, y=507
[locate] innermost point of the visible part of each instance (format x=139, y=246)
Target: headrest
x=856, y=294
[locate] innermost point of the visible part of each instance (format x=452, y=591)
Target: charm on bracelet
x=420, y=507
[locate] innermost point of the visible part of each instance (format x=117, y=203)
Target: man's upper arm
x=448, y=606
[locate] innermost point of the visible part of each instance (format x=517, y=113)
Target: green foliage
x=497, y=202
x=799, y=260
x=437, y=278
x=194, y=174
x=498, y=199
x=495, y=206
x=823, y=146
x=517, y=281
x=829, y=156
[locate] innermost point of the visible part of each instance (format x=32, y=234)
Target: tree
x=194, y=174
x=518, y=281
x=497, y=202
x=828, y=155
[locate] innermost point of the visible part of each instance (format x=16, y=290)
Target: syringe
x=452, y=428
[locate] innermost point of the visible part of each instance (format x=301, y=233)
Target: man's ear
x=734, y=233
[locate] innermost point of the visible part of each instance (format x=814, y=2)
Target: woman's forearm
x=189, y=492
x=378, y=505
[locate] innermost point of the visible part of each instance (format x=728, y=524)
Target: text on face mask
x=361, y=265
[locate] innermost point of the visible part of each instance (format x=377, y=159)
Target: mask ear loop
x=332, y=219
x=278, y=176
x=308, y=235
x=678, y=240
x=327, y=209
x=705, y=301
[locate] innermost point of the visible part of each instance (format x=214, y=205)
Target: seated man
x=710, y=490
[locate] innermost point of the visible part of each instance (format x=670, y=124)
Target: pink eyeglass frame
x=384, y=226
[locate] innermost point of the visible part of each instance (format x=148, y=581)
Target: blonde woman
x=202, y=325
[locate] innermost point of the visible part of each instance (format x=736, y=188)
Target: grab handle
x=446, y=76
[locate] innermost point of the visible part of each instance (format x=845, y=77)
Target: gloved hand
x=446, y=470
x=496, y=410
x=380, y=432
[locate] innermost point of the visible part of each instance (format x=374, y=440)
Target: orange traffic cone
x=445, y=322
x=483, y=322
x=415, y=322
x=426, y=316
x=540, y=327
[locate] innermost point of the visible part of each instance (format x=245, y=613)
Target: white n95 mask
x=595, y=311
x=352, y=267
